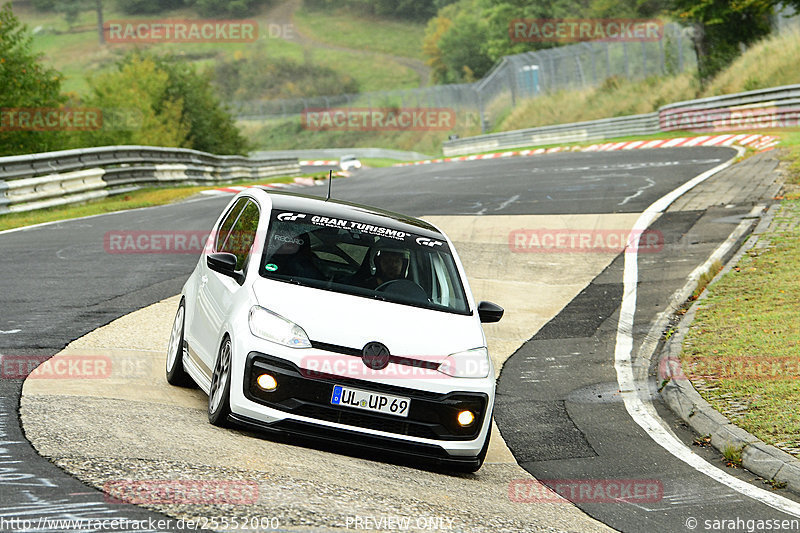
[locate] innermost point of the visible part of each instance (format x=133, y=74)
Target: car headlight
x=267, y=325
x=468, y=364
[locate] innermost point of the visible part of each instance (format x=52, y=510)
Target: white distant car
x=349, y=162
x=341, y=322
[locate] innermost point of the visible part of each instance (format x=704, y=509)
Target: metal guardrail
x=562, y=133
x=775, y=107
x=38, y=181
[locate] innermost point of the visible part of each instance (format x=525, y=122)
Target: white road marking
x=508, y=202
x=9, y=332
x=70, y=220
x=639, y=192
x=640, y=409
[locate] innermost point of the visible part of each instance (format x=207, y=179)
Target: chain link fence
x=512, y=79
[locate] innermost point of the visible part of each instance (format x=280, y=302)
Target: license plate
x=370, y=401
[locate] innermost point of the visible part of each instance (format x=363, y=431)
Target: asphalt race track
x=558, y=406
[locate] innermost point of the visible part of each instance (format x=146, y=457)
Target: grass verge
x=350, y=30
x=742, y=352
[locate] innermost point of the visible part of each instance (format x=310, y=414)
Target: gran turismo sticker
x=270, y=267
x=359, y=226
x=370, y=229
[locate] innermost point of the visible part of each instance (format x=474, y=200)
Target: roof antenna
x=330, y=179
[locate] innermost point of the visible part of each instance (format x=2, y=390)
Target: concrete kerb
x=680, y=395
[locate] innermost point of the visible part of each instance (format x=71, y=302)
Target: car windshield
x=362, y=259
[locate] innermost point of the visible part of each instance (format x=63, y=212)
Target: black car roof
x=286, y=201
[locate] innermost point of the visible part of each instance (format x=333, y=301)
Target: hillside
x=75, y=50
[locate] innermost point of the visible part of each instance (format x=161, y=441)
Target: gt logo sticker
x=424, y=241
x=290, y=217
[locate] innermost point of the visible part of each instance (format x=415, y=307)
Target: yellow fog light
x=267, y=382
x=465, y=418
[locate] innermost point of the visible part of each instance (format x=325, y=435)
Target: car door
x=236, y=235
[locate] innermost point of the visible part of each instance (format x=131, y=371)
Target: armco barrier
x=776, y=107
x=593, y=130
x=37, y=181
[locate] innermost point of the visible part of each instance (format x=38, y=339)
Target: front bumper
x=429, y=430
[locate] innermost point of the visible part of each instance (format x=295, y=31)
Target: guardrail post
x=3, y=198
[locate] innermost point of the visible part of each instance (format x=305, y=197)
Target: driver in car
x=389, y=265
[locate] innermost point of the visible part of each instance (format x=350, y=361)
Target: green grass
x=375, y=162
x=350, y=30
x=147, y=197
x=743, y=349
x=76, y=52
x=372, y=74
x=280, y=134
x=792, y=154
x=769, y=63
x=616, y=97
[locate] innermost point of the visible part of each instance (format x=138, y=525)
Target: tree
x=455, y=43
x=165, y=103
x=257, y=75
x=227, y=8
x=722, y=27
x=137, y=88
x=24, y=83
x=437, y=27
x=211, y=126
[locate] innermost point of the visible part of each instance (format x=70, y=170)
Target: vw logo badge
x=375, y=356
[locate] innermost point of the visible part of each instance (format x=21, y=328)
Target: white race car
x=340, y=322
x=349, y=162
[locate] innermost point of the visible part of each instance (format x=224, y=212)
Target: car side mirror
x=490, y=312
x=224, y=263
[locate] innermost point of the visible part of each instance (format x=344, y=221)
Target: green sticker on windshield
x=271, y=267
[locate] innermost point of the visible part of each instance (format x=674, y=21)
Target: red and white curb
x=298, y=182
x=755, y=141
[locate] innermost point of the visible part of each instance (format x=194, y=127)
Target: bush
x=259, y=76
x=25, y=83
x=147, y=7
x=171, y=104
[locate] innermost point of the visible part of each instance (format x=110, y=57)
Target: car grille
x=431, y=415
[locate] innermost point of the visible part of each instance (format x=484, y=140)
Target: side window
x=242, y=235
x=227, y=224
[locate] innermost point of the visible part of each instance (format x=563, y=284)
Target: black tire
x=220, y=393
x=176, y=374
